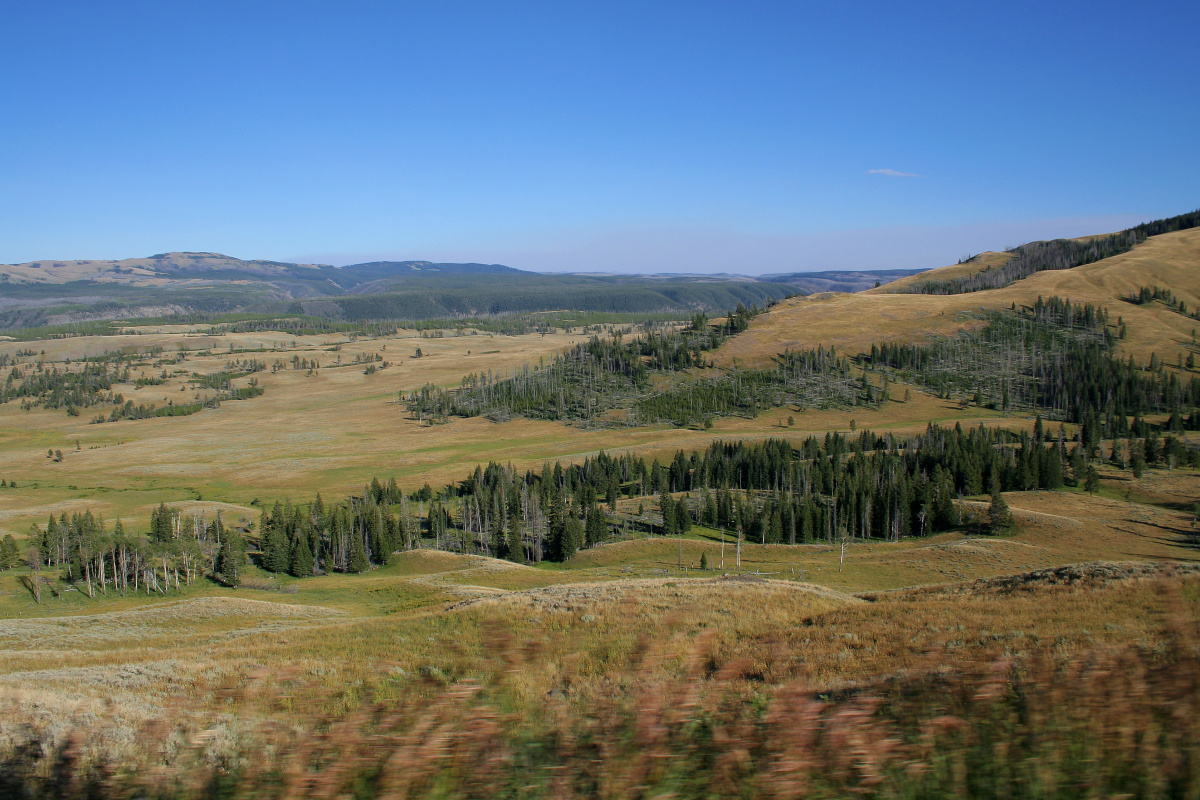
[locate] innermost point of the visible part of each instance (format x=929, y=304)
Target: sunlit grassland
x=332, y=431
x=567, y=651
x=852, y=322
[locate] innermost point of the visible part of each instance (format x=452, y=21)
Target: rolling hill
x=852, y=322
x=62, y=292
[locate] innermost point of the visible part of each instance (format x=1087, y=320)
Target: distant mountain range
x=839, y=280
x=55, y=292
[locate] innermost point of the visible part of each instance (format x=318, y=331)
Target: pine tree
x=683, y=520
x=9, y=552
x=573, y=537
x=301, y=565
x=666, y=507
x=1000, y=519
x=1091, y=483
x=229, y=559
x=596, y=530
x=358, y=554
x=276, y=551
x=1051, y=474
x=516, y=545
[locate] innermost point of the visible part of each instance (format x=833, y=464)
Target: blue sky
x=693, y=136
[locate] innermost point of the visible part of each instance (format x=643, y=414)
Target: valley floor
x=460, y=675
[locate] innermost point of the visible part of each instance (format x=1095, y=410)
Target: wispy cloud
x=891, y=173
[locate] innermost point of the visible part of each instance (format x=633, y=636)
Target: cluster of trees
x=147, y=411
x=586, y=380
x=223, y=380
x=826, y=489
x=10, y=553
x=1153, y=294
x=91, y=384
x=173, y=409
x=297, y=323
x=603, y=374
x=1055, y=357
x=344, y=537
x=35, y=385
x=817, y=378
x=178, y=550
x=1054, y=254
x=859, y=486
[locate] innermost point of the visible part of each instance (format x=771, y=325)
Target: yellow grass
x=852, y=322
x=980, y=263
x=331, y=432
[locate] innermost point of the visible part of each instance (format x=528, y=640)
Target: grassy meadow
x=1059, y=660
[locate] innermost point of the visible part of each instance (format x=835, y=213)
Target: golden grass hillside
x=852, y=322
x=980, y=263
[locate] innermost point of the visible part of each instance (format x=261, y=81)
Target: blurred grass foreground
x=669, y=720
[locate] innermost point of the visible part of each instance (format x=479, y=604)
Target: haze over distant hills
x=66, y=291
x=54, y=292
x=840, y=280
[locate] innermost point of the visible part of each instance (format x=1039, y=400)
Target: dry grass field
x=239, y=689
x=628, y=654
x=851, y=322
x=331, y=432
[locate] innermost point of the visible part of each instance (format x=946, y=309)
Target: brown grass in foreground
x=685, y=711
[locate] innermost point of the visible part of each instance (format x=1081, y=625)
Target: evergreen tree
x=358, y=554
x=1152, y=449
x=1091, y=483
x=301, y=565
x=683, y=520
x=277, y=554
x=573, y=537
x=1078, y=465
x=666, y=507
x=229, y=559
x=596, y=530
x=516, y=544
x=1000, y=519
x=10, y=554
x=1051, y=472
x=1139, y=465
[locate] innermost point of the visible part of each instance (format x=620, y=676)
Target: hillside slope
x=980, y=263
x=851, y=322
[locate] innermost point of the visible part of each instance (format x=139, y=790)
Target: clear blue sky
x=706, y=136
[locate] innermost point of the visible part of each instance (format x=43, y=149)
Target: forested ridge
x=423, y=295
x=554, y=293
x=1028, y=259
